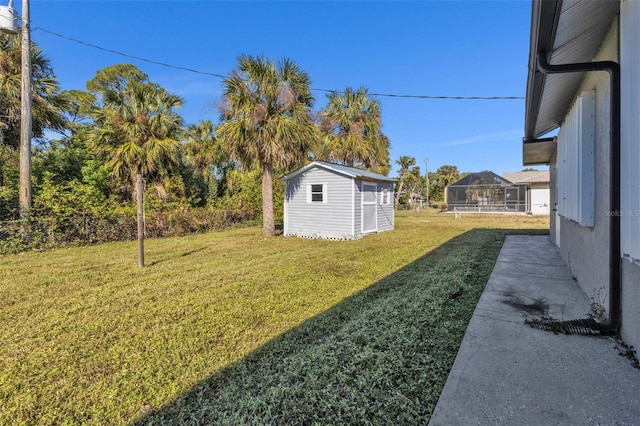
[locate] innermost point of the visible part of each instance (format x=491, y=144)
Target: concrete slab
x=507, y=373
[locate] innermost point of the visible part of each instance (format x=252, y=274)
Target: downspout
x=589, y=325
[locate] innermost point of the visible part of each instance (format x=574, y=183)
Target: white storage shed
x=336, y=202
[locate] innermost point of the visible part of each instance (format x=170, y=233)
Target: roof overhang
x=569, y=31
x=538, y=151
x=350, y=172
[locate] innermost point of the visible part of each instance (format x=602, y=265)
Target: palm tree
x=448, y=174
x=136, y=127
x=48, y=104
x=351, y=123
x=265, y=119
x=47, y=110
x=379, y=160
x=405, y=162
x=206, y=155
x=200, y=146
x=139, y=136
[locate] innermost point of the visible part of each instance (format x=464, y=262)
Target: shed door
x=369, y=207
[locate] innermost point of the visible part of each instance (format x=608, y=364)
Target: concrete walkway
x=507, y=373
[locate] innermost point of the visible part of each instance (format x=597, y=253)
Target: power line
x=127, y=55
x=389, y=95
x=386, y=95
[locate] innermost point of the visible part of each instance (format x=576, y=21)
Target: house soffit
x=572, y=31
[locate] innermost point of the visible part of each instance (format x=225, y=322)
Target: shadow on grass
x=185, y=254
x=380, y=356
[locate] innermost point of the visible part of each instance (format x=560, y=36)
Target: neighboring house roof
x=352, y=172
x=528, y=177
x=482, y=178
x=569, y=31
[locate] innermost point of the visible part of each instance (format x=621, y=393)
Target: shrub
x=67, y=229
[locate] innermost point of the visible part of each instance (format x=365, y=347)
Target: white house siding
x=585, y=248
x=331, y=219
x=554, y=218
x=630, y=173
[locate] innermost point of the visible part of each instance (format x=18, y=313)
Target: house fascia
x=569, y=32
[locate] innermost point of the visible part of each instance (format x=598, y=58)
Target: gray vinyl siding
x=332, y=219
x=357, y=208
x=385, y=211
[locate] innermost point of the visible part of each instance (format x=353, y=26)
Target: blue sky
x=431, y=48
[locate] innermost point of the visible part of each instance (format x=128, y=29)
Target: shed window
x=317, y=193
x=386, y=196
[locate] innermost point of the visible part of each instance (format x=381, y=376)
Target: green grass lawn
x=227, y=327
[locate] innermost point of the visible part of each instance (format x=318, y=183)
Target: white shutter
x=575, y=165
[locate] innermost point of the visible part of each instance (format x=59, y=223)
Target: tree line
x=430, y=186
x=90, y=146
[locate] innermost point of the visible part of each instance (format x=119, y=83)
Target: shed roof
x=569, y=31
x=352, y=172
x=528, y=177
x=485, y=177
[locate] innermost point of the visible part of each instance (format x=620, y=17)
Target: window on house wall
x=317, y=193
x=575, y=165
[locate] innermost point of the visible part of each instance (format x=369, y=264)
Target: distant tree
x=69, y=162
x=530, y=169
x=200, y=146
x=351, y=124
x=448, y=174
x=211, y=163
x=9, y=179
x=265, y=119
x=414, y=183
x=405, y=162
x=62, y=159
x=440, y=179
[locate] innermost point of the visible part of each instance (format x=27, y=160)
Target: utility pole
x=426, y=174
x=140, y=213
x=25, y=116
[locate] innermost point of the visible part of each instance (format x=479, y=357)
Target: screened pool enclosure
x=486, y=192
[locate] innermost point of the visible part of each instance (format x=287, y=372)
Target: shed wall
x=357, y=209
x=332, y=219
x=385, y=211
